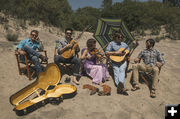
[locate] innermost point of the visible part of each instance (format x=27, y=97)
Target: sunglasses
x=69, y=33
x=34, y=35
x=119, y=37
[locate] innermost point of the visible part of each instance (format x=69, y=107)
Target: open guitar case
x=46, y=89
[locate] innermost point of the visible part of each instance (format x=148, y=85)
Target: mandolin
x=41, y=92
x=119, y=58
x=74, y=45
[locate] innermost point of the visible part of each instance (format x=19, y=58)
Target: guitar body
x=70, y=52
x=41, y=92
x=119, y=58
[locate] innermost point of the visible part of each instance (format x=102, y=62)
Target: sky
x=93, y=3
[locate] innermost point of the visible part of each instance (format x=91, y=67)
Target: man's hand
x=134, y=42
x=21, y=52
x=158, y=64
x=38, y=39
x=77, y=49
x=117, y=53
x=136, y=60
x=68, y=46
x=107, y=54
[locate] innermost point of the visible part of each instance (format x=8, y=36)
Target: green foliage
x=138, y=16
x=12, y=37
x=106, y=3
x=158, y=39
x=3, y=20
x=54, y=12
x=85, y=16
x=155, y=30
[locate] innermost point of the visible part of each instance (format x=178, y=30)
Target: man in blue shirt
x=118, y=69
x=29, y=47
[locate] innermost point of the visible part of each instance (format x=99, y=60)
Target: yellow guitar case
x=42, y=91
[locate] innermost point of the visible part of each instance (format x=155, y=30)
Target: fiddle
x=96, y=52
x=99, y=54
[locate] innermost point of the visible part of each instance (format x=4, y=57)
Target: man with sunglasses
x=64, y=44
x=29, y=47
x=118, y=69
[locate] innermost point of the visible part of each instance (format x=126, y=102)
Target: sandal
x=123, y=92
x=136, y=87
x=153, y=94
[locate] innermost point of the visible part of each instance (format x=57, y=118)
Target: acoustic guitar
x=74, y=45
x=119, y=58
x=40, y=92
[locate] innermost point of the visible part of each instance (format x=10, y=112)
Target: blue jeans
x=119, y=73
x=74, y=60
x=33, y=55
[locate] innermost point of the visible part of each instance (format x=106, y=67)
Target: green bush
x=12, y=37
x=158, y=39
x=155, y=30
x=138, y=16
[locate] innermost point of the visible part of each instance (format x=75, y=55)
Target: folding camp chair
x=25, y=65
x=146, y=76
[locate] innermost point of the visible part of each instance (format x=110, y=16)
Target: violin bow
x=104, y=47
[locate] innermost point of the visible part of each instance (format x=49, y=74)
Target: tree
x=106, y=3
x=174, y=2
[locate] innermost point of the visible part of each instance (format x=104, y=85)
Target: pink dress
x=97, y=72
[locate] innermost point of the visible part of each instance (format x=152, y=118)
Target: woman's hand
x=88, y=57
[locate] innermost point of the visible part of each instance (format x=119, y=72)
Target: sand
x=138, y=105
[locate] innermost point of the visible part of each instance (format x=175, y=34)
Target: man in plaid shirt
x=153, y=60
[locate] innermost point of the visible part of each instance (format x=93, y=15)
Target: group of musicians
x=90, y=56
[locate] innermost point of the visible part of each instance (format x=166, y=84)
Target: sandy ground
x=138, y=105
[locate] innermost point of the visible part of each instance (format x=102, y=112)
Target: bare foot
x=75, y=81
x=101, y=84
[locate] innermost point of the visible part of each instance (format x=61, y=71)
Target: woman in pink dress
x=98, y=72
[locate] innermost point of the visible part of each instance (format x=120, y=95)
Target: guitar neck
x=79, y=36
x=125, y=48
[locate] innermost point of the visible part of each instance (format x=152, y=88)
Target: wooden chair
x=145, y=76
x=27, y=65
